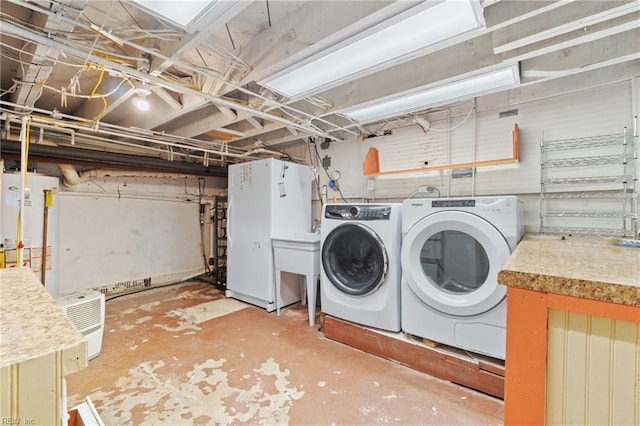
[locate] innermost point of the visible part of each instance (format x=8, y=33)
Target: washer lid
x=354, y=259
x=451, y=260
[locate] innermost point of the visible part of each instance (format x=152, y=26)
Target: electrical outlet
x=371, y=185
x=425, y=188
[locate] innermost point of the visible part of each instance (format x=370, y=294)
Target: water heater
x=35, y=220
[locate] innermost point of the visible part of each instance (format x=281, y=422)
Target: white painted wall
x=121, y=233
x=599, y=111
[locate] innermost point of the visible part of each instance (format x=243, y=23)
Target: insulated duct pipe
x=57, y=154
x=70, y=176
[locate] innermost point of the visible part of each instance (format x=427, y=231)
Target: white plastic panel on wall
x=121, y=243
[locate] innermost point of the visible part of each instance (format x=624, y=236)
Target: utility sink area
x=299, y=254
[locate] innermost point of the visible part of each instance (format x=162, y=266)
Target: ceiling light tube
x=398, y=39
x=467, y=87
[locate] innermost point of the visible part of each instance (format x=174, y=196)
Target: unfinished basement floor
x=185, y=354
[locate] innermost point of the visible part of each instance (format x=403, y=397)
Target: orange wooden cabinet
x=570, y=360
x=573, y=332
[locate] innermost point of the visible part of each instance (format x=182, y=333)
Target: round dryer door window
x=451, y=260
x=454, y=262
x=354, y=259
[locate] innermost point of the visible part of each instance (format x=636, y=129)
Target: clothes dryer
x=360, y=274
x=452, y=251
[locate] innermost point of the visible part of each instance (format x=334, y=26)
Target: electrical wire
x=314, y=164
x=45, y=86
x=24, y=186
x=299, y=120
x=141, y=33
x=86, y=64
x=93, y=93
x=285, y=155
x=201, y=207
x=210, y=45
x=457, y=125
x=129, y=133
x=319, y=102
x=337, y=187
x=22, y=51
x=9, y=90
x=64, y=95
x=188, y=66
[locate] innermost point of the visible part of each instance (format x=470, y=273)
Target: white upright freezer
x=267, y=198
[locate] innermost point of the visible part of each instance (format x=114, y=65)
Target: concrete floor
x=185, y=354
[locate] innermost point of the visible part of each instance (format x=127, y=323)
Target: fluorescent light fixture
x=386, y=44
x=181, y=12
x=464, y=88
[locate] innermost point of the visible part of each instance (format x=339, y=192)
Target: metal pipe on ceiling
x=56, y=154
x=123, y=132
x=51, y=41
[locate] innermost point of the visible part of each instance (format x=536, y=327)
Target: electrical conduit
x=24, y=147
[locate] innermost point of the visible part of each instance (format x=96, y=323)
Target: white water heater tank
x=33, y=220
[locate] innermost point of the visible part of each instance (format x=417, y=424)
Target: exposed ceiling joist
x=205, y=79
x=571, y=17
x=142, y=76
x=504, y=13
x=163, y=94
x=215, y=17
x=216, y=134
x=577, y=58
x=43, y=57
x=578, y=37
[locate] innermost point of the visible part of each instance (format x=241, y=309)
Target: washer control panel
x=453, y=203
x=357, y=212
x=492, y=205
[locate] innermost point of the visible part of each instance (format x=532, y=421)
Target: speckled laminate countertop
x=32, y=324
x=584, y=266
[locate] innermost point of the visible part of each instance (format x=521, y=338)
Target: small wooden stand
x=474, y=371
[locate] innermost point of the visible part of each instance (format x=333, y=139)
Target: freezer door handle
x=229, y=233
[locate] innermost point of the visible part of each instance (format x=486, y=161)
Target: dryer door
x=451, y=261
x=354, y=259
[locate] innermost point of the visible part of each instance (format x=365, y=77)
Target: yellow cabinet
x=38, y=347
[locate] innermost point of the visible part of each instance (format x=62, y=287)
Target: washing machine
x=360, y=274
x=452, y=251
